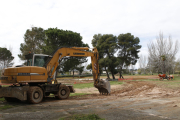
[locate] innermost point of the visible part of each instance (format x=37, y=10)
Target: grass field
x=88, y=85
x=174, y=83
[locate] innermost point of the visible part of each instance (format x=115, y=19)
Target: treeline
x=6, y=58
x=115, y=52
x=40, y=41
x=162, y=57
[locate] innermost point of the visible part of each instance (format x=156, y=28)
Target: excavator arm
x=102, y=85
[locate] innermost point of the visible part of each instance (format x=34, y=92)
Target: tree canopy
x=56, y=38
x=128, y=49
x=33, y=42
x=116, y=52
x=162, y=53
x=5, y=57
x=107, y=47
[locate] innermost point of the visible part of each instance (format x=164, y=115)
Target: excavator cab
x=36, y=59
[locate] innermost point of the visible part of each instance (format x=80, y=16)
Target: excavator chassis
x=21, y=92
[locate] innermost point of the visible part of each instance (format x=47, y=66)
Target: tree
x=33, y=42
x=89, y=67
x=95, y=39
x=162, y=53
x=177, y=65
x=107, y=47
x=128, y=47
x=56, y=38
x=104, y=62
x=5, y=57
x=80, y=68
x=142, y=63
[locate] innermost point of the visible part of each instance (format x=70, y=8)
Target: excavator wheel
x=35, y=95
x=63, y=92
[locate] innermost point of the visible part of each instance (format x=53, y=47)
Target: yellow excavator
x=35, y=81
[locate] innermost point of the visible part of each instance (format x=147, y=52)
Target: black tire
x=169, y=78
x=63, y=92
x=35, y=95
x=161, y=79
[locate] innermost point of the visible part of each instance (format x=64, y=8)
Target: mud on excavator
x=34, y=81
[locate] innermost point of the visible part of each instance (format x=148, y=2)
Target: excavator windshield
x=40, y=60
x=36, y=59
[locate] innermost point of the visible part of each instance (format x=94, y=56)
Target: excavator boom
x=102, y=85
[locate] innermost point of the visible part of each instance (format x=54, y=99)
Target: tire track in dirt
x=132, y=88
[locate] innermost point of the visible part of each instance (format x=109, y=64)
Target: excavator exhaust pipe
x=103, y=86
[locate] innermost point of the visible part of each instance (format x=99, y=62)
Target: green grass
x=115, y=83
x=2, y=99
x=5, y=85
x=84, y=85
x=173, y=84
x=83, y=117
x=78, y=94
x=89, y=85
x=6, y=106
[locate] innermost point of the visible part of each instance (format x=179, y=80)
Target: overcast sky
x=142, y=18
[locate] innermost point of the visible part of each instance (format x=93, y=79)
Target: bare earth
x=134, y=100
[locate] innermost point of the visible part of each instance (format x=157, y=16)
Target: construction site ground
x=137, y=99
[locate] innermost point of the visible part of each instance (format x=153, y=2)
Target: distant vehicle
x=164, y=76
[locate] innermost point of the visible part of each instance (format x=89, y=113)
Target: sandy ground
x=134, y=100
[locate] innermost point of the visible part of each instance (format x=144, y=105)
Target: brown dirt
x=133, y=100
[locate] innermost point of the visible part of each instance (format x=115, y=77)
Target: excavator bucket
x=103, y=86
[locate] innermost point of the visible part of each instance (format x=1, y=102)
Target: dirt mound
x=131, y=89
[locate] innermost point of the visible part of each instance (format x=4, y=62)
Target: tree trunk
x=112, y=72
x=73, y=73
x=106, y=73
x=113, y=75
x=120, y=73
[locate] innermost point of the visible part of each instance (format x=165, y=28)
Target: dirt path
x=133, y=101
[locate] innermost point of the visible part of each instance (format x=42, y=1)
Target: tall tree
x=128, y=46
x=162, y=53
x=142, y=63
x=107, y=47
x=95, y=39
x=56, y=38
x=5, y=57
x=33, y=42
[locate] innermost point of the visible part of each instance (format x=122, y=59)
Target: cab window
x=40, y=60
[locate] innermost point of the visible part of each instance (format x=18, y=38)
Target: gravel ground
x=131, y=101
